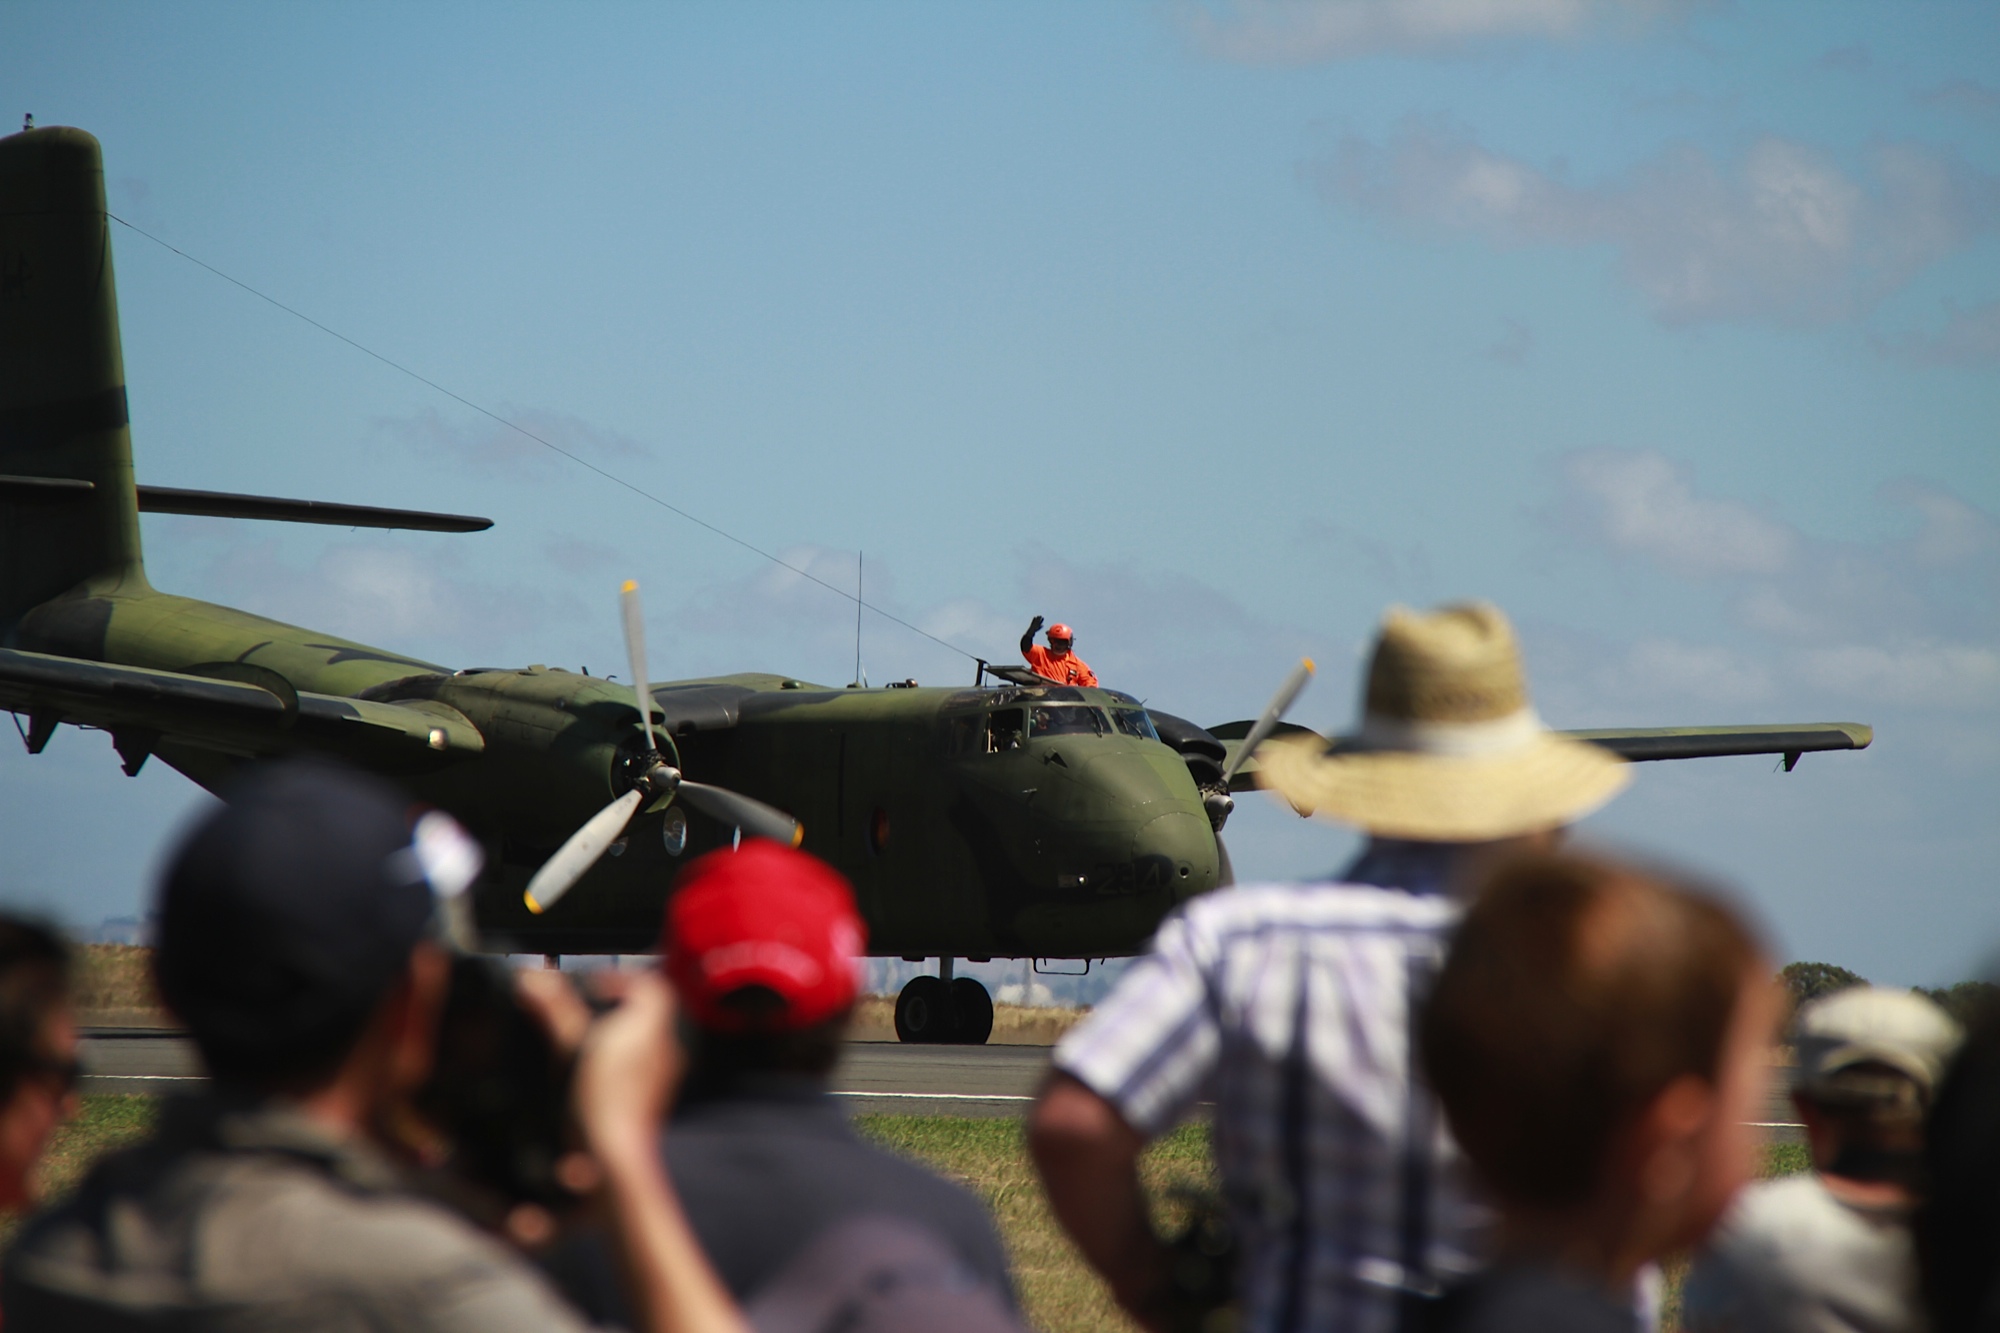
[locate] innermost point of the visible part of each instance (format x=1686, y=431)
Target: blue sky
x=1673, y=329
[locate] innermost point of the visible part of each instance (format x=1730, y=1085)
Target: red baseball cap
x=763, y=915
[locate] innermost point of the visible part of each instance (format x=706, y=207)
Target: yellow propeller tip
x=630, y=585
x=533, y=906
x=798, y=834
x=1311, y=665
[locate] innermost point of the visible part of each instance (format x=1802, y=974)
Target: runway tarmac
x=883, y=1077
x=875, y=1077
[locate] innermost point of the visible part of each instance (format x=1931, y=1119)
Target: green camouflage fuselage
x=1071, y=845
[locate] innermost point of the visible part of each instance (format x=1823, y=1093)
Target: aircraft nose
x=1177, y=848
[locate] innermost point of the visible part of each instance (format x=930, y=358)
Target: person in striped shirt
x=1291, y=1006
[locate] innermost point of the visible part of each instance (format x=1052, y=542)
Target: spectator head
x=1449, y=748
x=287, y=918
x=1598, y=1038
x=1870, y=1060
x=1958, y=1221
x=37, y=1052
x=763, y=946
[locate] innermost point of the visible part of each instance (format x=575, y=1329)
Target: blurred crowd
x=1474, y=1082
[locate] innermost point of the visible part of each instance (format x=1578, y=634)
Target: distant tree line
x=1809, y=981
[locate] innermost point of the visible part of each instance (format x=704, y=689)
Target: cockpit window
x=1135, y=722
x=1003, y=730
x=1068, y=720
x=985, y=733
x=1006, y=729
x=965, y=733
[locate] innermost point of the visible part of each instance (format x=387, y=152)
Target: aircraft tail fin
x=68, y=507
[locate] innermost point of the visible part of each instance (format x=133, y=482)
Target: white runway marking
x=940, y=1096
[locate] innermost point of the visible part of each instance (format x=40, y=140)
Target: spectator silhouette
x=1291, y=1004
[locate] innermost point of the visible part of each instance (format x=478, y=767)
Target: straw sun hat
x=1449, y=749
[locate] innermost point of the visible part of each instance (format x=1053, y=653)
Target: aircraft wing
x=1788, y=739
x=142, y=708
x=1641, y=743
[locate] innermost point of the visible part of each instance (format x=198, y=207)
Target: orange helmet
x=1061, y=631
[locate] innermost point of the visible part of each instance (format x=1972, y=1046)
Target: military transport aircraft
x=1014, y=819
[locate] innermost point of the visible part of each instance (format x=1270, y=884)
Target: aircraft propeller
x=658, y=779
x=1274, y=712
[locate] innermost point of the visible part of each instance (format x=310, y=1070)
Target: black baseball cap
x=287, y=915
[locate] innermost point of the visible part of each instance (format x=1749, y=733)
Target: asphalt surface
x=888, y=1077
x=875, y=1077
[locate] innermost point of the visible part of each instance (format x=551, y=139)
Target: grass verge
x=113, y=976
x=101, y=1124
x=989, y=1157
x=1058, y=1290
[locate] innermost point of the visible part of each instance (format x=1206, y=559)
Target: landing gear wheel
x=923, y=1011
x=975, y=1012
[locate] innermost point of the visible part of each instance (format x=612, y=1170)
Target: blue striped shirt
x=1289, y=1006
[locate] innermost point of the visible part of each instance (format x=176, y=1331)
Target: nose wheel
x=944, y=1010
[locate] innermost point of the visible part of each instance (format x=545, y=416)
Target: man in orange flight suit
x=1056, y=661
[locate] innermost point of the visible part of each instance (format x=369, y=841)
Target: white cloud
x=1920, y=675
x=1937, y=580
x=1289, y=32
x=1968, y=338
x=486, y=443
x=1033, y=992
x=1937, y=583
x=1909, y=621
x=1949, y=531
x=1963, y=95
x=400, y=598
x=1707, y=672
x=1782, y=234
x=969, y=621
x=1640, y=503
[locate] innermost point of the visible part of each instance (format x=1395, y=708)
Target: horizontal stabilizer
x=230, y=716
x=227, y=504
x=222, y=504
x=1790, y=739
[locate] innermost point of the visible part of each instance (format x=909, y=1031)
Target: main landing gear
x=944, y=1009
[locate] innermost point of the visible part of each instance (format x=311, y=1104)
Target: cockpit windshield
x=1134, y=722
x=1068, y=720
x=1008, y=728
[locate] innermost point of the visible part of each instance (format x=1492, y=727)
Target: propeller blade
x=1225, y=870
x=580, y=853
x=756, y=819
x=1287, y=694
x=635, y=653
